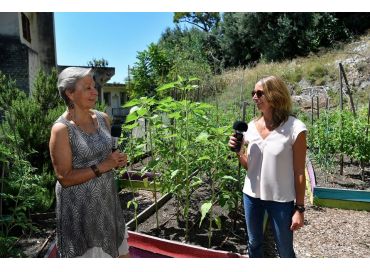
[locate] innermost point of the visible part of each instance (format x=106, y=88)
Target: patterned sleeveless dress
x=89, y=215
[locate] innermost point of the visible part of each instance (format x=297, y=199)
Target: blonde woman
x=274, y=157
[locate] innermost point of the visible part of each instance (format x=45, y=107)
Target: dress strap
x=101, y=120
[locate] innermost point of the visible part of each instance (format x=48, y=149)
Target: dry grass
x=317, y=69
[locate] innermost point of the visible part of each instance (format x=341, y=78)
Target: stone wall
x=14, y=61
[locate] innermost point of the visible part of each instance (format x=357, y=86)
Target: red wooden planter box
x=146, y=246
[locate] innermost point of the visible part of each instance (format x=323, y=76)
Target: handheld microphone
x=115, y=133
x=239, y=127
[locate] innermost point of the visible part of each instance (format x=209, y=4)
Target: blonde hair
x=277, y=95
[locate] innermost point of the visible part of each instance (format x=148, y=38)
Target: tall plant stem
x=134, y=198
x=132, y=187
x=213, y=176
x=154, y=178
x=187, y=188
x=1, y=191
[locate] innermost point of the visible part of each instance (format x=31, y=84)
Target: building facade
x=114, y=95
x=27, y=44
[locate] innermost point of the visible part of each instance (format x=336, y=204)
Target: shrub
x=317, y=73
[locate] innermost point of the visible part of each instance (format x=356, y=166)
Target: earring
x=71, y=105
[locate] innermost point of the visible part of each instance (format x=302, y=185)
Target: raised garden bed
x=229, y=241
x=337, y=196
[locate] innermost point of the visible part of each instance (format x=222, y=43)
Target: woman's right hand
x=232, y=141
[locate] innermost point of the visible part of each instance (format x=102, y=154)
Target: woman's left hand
x=297, y=221
x=122, y=161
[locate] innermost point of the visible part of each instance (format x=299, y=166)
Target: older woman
x=90, y=221
x=275, y=160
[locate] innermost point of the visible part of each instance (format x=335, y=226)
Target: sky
x=116, y=37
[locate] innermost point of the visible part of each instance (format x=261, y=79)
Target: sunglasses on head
x=259, y=93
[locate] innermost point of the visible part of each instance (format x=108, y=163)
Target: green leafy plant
x=339, y=133
x=186, y=140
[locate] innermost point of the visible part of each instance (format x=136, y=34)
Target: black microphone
x=239, y=127
x=115, y=133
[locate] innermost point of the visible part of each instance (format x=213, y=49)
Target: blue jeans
x=280, y=215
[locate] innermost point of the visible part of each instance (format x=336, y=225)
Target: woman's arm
x=243, y=157
x=61, y=157
x=299, y=159
x=299, y=163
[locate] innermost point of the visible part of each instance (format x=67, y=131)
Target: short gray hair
x=67, y=80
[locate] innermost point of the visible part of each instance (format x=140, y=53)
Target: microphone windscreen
x=116, y=131
x=240, y=126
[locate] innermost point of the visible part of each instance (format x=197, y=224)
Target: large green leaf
x=229, y=178
x=174, y=173
x=141, y=111
x=131, y=103
x=131, y=126
x=202, y=137
x=217, y=220
x=166, y=87
x=132, y=117
x=204, y=209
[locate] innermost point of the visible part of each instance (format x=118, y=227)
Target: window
x=26, y=28
x=123, y=98
x=107, y=99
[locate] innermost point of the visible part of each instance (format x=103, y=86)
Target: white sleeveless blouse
x=270, y=174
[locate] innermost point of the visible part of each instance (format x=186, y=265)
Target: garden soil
x=328, y=232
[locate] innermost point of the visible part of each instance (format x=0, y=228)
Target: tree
x=98, y=63
x=188, y=52
x=204, y=20
x=150, y=71
x=45, y=91
x=237, y=43
x=8, y=93
x=250, y=37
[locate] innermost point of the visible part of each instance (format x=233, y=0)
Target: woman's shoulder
x=295, y=121
x=62, y=121
x=296, y=125
x=59, y=127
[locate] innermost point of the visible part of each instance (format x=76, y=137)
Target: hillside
x=318, y=72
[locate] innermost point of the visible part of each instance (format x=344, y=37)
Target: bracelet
x=96, y=170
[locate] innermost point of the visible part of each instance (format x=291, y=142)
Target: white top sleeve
x=270, y=173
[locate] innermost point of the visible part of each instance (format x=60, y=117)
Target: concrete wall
x=46, y=44
x=33, y=68
x=9, y=24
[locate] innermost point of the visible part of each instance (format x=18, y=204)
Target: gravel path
x=333, y=233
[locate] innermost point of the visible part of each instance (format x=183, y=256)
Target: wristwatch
x=96, y=170
x=299, y=208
